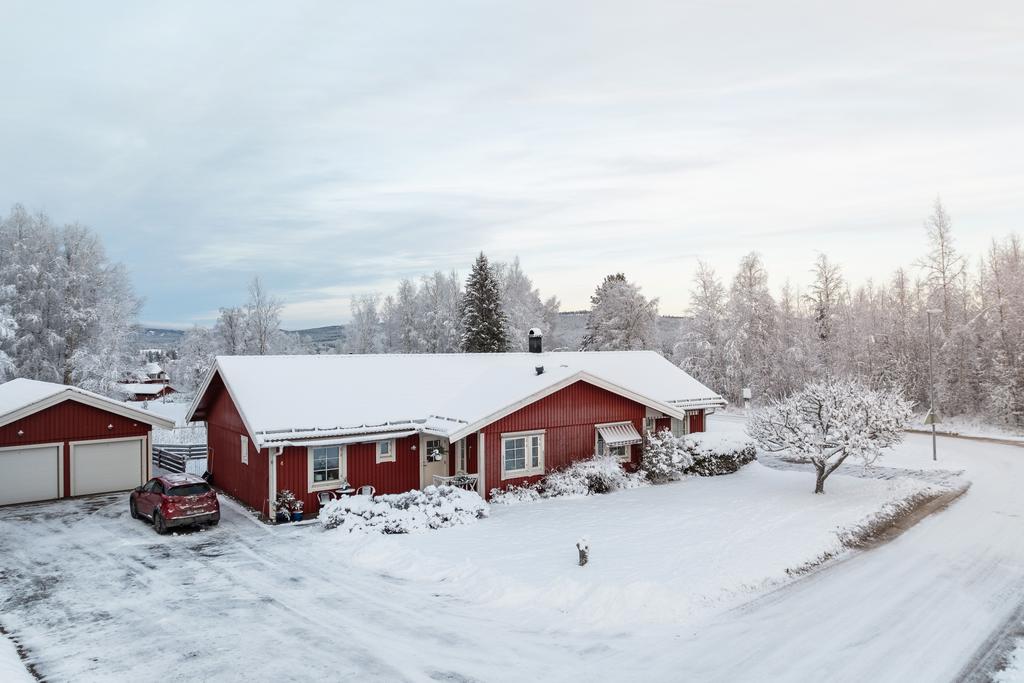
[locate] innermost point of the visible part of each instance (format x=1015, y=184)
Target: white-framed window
x=326, y=466
x=522, y=455
x=386, y=451
x=245, y=450
x=435, y=450
x=649, y=425
x=623, y=453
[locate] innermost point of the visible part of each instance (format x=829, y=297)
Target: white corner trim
x=481, y=465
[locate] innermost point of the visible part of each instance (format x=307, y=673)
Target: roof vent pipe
x=535, y=341
x=539, y=369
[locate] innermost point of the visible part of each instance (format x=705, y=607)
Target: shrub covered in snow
x=600, y=474
x=715, y=453
x=665, y=457
x=434, y=507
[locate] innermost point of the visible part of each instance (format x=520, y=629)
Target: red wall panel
x=697, y=422
x=224, y=429
x=568, y=417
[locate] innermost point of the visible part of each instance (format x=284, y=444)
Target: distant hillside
x=571, y=328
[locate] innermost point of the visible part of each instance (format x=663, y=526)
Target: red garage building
x=58, y=441
x=399, y=422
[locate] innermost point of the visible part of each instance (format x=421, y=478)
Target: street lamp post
x=932, y=417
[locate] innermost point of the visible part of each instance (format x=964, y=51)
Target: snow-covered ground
x=12, y=670
x=1013, y=672
x=183, y=432
x=94, y=595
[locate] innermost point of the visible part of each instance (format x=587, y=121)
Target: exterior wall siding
x=66, y=422
x=361, y=467
x=697, y=422
x=567, y=417
x=224, y=429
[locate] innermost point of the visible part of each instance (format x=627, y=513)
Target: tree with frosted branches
x=830, y=421
x=484, y=324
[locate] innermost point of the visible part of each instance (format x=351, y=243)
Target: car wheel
x=215, y=521
x=158, y=523
x=133, y=509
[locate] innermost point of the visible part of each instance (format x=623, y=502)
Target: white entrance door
x=29, y=474
x=428, y=465
x=102, y=466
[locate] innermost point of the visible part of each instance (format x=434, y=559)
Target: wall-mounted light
x=21, y=433
x=110, y=426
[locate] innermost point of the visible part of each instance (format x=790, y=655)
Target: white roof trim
x=89, y=399
x=345, y=440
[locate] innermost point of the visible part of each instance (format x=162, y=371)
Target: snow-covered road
x=918, y=608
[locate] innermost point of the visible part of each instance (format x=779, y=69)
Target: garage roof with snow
x=281, y=398
x=21, y=397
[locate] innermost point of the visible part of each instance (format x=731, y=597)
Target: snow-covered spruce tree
x=664, y=457
x=621, y=318
x=829, y=421
x=484, y=325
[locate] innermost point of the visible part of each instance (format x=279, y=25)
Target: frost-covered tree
x=365, y=333
x=484, y=325
x=263, y=321
x=72, y=310
x=751, y=345
x=521, y=302
x=664, y=457
x=195, y=356
x=826, y=297
x=231, y=330
x=700, y=352
x=440, y=310
x=621, y=318
x=828, y=421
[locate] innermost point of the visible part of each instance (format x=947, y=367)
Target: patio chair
x=366, y=490
x=324, y=496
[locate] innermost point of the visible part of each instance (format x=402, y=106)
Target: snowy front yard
x=93, y=595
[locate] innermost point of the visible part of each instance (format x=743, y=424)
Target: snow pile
x=665, y=457
x=435, y=507
x=715, y=453
x=600, y=474
x=1014, y=669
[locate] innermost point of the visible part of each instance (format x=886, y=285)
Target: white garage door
x=105, y=466
x=28, y=474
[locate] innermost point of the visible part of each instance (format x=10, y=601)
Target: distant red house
x=401, y=422
x=145, y=392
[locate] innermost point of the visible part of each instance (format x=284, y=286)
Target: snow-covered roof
x=21, y=397
x=143, y=389
x=152, y=368
x=282, y=398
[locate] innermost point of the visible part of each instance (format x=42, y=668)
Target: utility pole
x=932, y=417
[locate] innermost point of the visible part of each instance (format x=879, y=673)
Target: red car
x=175, y=500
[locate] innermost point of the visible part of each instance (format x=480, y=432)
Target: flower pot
x=297, y=516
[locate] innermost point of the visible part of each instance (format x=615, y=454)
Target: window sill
x=325, y=486
x=519, y=474
x=384, y=462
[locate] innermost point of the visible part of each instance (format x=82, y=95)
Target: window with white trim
x=624, y=453
x=649, y=425
x=522, y=455
x=386, y=451
x=245, y=450
x=326, y=466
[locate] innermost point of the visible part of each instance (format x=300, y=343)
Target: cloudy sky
x=336, y=147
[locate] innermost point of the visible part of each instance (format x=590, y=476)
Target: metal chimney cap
x=534, y=332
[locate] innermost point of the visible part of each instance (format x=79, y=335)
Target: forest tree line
x=67, y=315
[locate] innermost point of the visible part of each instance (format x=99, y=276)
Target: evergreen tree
x=484, y=325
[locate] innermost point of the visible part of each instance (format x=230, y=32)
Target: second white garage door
x=28, y=474
x=106, y=466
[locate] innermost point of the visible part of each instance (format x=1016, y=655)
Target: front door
x=433, y=458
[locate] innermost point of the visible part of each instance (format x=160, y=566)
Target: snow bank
x=12, y=670
x=435, y=507
x=1013, y=672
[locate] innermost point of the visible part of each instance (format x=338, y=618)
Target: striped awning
x=620, y=434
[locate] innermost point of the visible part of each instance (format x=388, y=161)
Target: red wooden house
x=400, y=422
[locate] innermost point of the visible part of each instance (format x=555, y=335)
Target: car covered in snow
x=172, y=500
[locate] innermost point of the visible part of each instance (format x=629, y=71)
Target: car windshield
x=189, y=490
